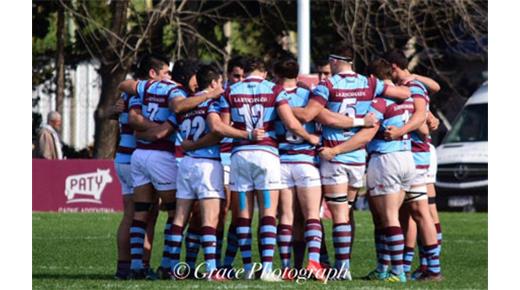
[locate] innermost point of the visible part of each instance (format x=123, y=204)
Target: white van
x=462, y=176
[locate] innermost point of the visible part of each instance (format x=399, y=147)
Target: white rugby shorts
x=155, y=167
x=201, y=178
x=299, y=175
x=124, y=172
x=390, y=173
x=254, y=170
x=333, y=173
x=227, y=171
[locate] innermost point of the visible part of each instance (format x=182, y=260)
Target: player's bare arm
x=129, y=87
x=181, y=104
x=155, y=133
x=430, y=83
x=336, y=120
x=217, y=126
x=398, y=92
x=293, y=125
x=432, y=122
x=418, y=118
x=357, y=141
x=138, y=122
x=207, y=140
x=309, y=112
x=116, y=109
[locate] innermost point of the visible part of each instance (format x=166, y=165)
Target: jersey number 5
x=347, y=107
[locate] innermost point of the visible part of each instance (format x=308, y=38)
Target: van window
x=470, y=126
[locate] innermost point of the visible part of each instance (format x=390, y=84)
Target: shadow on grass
x=106, y=277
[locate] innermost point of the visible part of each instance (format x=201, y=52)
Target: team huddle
x=201, y=150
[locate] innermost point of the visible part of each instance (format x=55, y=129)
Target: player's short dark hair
x=206, y=74
x=237, y=61
x=183, y=70
x=287, y=68
x=380, y=68
x=397, y=57
x=150, y=61
x=322, y=62
x=343, y=49
x=254, y=63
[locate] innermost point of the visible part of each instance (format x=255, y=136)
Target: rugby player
x=348, y=93
x=150, y=67
x=416, y=200
x=255, y=165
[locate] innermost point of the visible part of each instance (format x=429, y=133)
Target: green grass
x=78, y=251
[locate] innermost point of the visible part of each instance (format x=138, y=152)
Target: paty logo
x=89, y=186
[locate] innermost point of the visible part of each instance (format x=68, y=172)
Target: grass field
x=78, y=251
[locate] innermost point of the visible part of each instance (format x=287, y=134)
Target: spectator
x=49, y=143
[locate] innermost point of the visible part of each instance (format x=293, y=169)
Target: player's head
x=341, y=58
x=153, y=66
x=381, y=69
x=399, y=64
x=323, y=69
x=209, y=77
x=54, y=120
x=235, y=69
x=255, y=66
x=286, y=68
x=184, y=72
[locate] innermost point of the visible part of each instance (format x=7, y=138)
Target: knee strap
x=431, y=200
x=336, y=198
x=142, y=206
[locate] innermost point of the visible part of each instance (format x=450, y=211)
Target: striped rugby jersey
x=153, y=98
x=127, y=140
x=390, y=113
x=420, y=147
x=294, y=149
x=252, y=104
x=193, y=126
x=351, y=94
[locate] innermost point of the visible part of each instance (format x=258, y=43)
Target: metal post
x=304, y=33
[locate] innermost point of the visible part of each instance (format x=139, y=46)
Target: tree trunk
x=60, y=60
x=107, y=129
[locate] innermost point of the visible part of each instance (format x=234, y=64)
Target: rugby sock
x=423, y=260
x=192, y=247
x=299, y=253
x=123, y=267
x=408, y=259
x=218, y=255
x=137, y=233
x=284, y=239
x=313, y=239
x=324, y=253
x=176, y=244
x=165, y=261
x=394, y=242
x=244, y=241
x=341, y=236
x=209, y=243
x=439, y=236
x=383, y=260
x=232, y=246
x=432, y=255
x=268, y=240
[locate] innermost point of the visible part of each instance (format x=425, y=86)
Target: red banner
x=78, y=185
